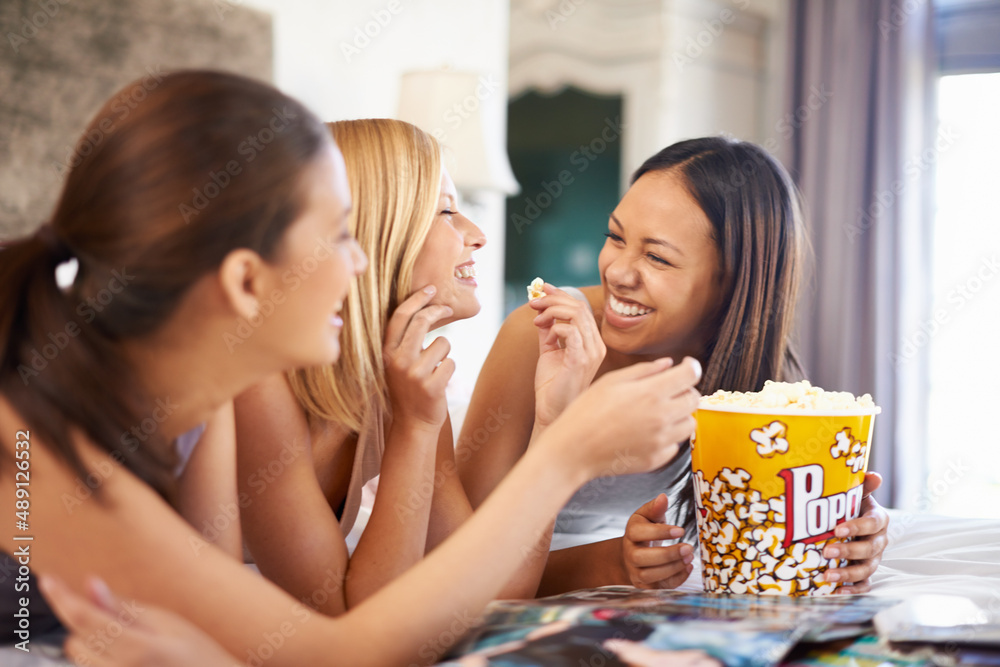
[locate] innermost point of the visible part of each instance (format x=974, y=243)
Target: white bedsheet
x=927, y=554
x=941, y=555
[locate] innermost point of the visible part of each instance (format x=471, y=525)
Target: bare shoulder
x=517, y=340
x=273, y=390
x=520, y=321
x=269, y=407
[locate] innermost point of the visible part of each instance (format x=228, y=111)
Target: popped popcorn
x=791, y=395
x=852, y=449
x=536, y=289
x=742, y=541
x=770, y=439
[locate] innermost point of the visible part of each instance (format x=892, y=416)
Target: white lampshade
x=463, y=111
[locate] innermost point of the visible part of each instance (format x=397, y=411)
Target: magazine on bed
x=621, y=625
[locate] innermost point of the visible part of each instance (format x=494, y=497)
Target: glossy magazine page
x=620, y=625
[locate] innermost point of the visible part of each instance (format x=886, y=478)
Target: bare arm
x=291, y=530
x=396, y=535
x=451, y=508
x=289, y=527
x=500, y=417
x=254, y=626
x=546, y=353
x=141, y=547
x=131, y=538
x=584, y=566
x=207, y=493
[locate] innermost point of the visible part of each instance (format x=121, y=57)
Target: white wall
x=684, y=68
x=344, y=60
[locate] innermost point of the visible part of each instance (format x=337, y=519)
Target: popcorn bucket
x=771, y=484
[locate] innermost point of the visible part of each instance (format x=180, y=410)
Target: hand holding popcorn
x=869, y=538
x=570, y=350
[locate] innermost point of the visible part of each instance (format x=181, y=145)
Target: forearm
x=208, y=497
x=451, y=509
x=585, y=566
x=484, y=552
x=215, y=516
x=525, y=582
x=396, y=535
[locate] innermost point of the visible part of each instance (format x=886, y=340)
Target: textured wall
x=61, y=59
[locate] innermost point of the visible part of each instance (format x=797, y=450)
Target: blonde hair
x=394, y=170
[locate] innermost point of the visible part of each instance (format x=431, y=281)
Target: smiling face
x=445, y=259
x=317, y=262
x=659, y=270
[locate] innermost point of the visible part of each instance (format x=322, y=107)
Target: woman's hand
x=865, y=551
x=629, y=420
x=417, y=377
x=649, y=566
x=570, y=352
x=104, y=632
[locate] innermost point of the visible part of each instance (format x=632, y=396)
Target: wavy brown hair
x=160, y=192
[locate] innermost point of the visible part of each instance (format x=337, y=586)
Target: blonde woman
x=381, y=408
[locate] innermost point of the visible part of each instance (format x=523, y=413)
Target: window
x=964, y=337
x=568, y=143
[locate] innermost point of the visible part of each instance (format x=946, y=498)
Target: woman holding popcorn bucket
x=702, y=259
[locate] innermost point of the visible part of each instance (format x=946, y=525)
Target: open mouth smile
x=627, y=308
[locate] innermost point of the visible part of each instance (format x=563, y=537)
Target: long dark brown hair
x=172, y=174
x=756, y=217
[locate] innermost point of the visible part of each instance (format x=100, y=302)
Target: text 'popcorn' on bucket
x=743, y=541
x=791, y=395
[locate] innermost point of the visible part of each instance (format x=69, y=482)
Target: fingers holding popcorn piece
x=570, y=352
x=557, y=305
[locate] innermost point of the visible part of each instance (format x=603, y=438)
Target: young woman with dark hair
x=209, y=225
x=702, y=259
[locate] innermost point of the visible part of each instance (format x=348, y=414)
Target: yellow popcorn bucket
x=771, y=485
